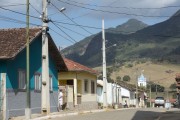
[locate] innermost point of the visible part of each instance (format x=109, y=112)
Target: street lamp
x=62, y=9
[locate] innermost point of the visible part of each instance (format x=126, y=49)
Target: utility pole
x=45, y=98
x=156, y=89
x=28, y=104
x=116, y=83
x=150, y=95
x=104, y=67
x=136, y=92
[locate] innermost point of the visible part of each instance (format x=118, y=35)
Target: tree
x=118, y=79
x=100, y=77
x=159, y=88
x=173, y=86
x=126, y=78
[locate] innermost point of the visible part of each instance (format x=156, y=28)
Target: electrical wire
x=12, y=20
x=122, y=32
x=108, y=6
x=62, y=35
x=63, y=31
x=70, y=18
x=15, y=20
x=11, y=5
x=35, y=8
x=80, y=16
x=72, y=30
x=112, y=12
x=18, y=12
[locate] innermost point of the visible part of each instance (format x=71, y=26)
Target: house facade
x=79, y=86
x=117, y=94
x=13, y=70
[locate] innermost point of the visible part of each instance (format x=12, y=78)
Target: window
x=38, y=81
x=92, y=87
x=22, y=79
x=50, y=83
x=86, y=86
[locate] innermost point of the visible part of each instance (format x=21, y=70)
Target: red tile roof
x=74, y=66
x=12, y=41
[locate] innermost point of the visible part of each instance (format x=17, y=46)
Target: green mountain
x=131, y=26
x=79, y=48
x=160, y=42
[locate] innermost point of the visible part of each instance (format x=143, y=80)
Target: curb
x=67, y=114
x=77, y=113
x=54, y=116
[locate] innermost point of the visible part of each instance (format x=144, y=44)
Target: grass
x=163, y=74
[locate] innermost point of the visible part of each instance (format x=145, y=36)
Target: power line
x=90, y=12
x=12, y=20
x=35, y=9
x=120, y=13
x=18, y=12
x=72, y=30
x=77, y=25
x=11, y=5
x=16, y=20
x=63, y=31
x=61, y=35
x=70, y=19
x=108, y=6
x=121, y=32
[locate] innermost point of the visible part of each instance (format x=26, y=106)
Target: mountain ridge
x=157, y=42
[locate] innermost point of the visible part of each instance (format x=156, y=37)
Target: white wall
x=125, y=92
x=109, y=93
x=100, y=94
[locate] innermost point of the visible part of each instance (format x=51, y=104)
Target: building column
x=3, y=80
x=75, y=91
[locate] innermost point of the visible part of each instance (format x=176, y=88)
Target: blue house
x=13, y=70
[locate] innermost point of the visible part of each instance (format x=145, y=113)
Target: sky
x=83, y=18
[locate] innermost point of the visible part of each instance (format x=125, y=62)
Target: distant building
x=142, y=81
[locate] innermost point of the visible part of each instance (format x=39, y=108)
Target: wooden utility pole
x=28, y=104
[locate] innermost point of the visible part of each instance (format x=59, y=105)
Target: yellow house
x=79, y=86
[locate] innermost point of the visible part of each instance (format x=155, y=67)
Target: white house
x=142, y=81
x=116, y=93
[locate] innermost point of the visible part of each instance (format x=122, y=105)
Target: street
x=126, y=114
x=171, y=115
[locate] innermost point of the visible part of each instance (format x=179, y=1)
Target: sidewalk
x=65, y=113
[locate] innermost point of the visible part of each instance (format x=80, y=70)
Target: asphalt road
x=171, y=115
x=127, y=114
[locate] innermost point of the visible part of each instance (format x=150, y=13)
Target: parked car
x=159, y=101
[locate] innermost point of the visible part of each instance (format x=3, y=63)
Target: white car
x=159, y=101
